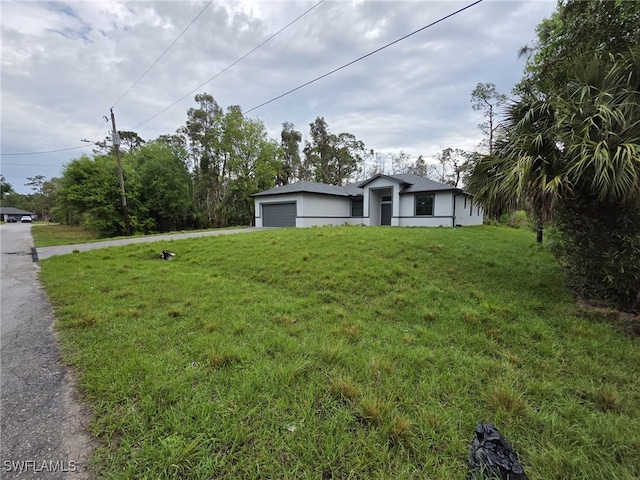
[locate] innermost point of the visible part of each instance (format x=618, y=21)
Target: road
x=42, y=424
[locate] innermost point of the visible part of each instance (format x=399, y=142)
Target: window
x=424, y=204
x=357, y=207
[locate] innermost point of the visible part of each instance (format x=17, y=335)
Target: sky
x=64, y=65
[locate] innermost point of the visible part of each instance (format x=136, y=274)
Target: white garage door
x=279, y=214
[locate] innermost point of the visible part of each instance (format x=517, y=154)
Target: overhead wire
x=257, y=47
x=124, y=94
x=364, y=56
x=231, y=64
x=43, y=152
x=163, y=53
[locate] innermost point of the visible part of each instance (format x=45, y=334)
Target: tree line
x=204, y=174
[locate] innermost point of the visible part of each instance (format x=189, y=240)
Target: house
x=404, y=200
x=15, y=213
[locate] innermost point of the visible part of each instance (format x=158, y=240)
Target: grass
x=53, y=234
x=345, y=352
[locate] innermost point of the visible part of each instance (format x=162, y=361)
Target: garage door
x=279, y=215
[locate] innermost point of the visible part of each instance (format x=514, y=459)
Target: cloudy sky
x=65, y=64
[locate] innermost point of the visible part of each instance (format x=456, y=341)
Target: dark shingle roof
x=411, y=183
x=314, y=187
x=14, y=211
x=416, y=183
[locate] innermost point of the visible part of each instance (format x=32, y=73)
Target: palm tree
x=601, y=127
x=528, y=166
x=585, y=140
x=577, y=153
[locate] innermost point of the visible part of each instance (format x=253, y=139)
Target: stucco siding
x=468, y=212
x=314, y=205
x=443, y=204
x=319, y=210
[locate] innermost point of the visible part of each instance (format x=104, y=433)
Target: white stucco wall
x=318, y=210
x=468, y=212
x=442, y=211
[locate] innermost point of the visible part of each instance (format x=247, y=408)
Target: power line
x=363, y=57
x=232, y=64
x=122, y=96
x=42, y=153
x=163, y=53
x=30, y=164
x=254, y=49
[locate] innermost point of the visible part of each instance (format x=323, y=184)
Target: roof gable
x=411, y=183
x=416, y=183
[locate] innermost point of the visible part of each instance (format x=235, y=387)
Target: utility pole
x=123, y=194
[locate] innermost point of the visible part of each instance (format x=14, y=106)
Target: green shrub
x=599, y=245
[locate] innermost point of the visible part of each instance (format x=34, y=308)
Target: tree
x=5, y=187
x=400, y=162
x=486, y=99
x=42, y=201
x=453, y=163
x=252, y=165
x=379, y=164
x=203, y=136
x=36, y=183
x=576, y=154
x=292, y=167
x=422, y=168
x=164, y=193
x=577, y=28
x=89, y=194
x=333, y=159
x=129, y=143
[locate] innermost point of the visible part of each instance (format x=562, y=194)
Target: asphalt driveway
x=42, y=426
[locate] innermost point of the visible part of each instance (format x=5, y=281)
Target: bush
x=599, y=245
x=517, y=219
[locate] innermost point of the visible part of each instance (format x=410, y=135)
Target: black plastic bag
x=491, y=456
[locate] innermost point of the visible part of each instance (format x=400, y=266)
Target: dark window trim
x=415, y=204
x=361, y=201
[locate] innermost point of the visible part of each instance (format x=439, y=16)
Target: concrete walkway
x=46, y=252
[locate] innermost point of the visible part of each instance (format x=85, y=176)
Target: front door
x=385, y=214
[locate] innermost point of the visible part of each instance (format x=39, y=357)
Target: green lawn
x=53, y=234
x=345, y=352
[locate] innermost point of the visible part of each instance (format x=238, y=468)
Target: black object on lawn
x=491, y=456
x=166, y=255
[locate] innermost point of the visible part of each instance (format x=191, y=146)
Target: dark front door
x=385, y=214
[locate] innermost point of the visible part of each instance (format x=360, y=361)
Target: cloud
x=64, y=64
